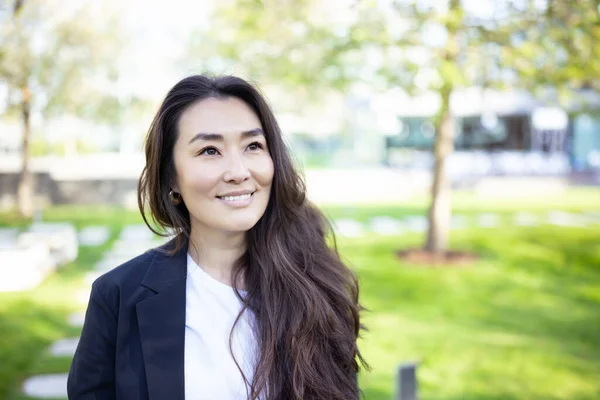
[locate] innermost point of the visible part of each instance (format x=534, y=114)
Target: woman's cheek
x=267, y=172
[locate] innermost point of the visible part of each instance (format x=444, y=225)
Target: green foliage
x=64, y=54
x=417, y=45
x=555, y=45
x=291, y=43
x=39, y=147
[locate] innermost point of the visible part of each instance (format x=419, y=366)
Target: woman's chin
x=240, y=225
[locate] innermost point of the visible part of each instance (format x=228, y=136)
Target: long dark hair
x=305, y=300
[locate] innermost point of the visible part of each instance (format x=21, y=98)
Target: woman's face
x=223, y=167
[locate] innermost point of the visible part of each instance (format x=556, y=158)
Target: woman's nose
x=237, y=170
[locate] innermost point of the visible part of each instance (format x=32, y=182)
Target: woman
x=248, y=301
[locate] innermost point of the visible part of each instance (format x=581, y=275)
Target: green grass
x=80, y=216
x=30, y=321
x=523, y=322
x=467, y=203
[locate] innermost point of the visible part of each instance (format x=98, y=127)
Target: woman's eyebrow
x=219, y=137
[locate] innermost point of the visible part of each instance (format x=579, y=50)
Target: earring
x=175, y=198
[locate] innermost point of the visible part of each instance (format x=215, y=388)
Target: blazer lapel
x=161, y=320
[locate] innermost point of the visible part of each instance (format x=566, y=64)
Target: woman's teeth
x=237, y=198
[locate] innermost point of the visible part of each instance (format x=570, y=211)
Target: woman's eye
x=255, y=146
x=209, y=151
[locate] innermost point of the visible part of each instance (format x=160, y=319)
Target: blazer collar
x=161, y=321
x=166, y=269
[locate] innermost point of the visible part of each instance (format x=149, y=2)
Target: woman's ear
x=174, y=185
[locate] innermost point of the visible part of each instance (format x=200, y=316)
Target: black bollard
x=407, y=382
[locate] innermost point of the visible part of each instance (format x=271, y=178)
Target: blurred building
x=499, y=133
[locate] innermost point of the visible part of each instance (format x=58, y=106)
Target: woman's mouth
x=236, y=198
x=237, y=201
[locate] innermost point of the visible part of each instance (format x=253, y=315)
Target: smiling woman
x=224, y=176
x=247, y=301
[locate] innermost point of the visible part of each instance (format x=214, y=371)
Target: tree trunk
x=18, y=6
x=25, y=190
x=440, y=210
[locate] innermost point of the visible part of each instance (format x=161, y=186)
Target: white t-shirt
x=210, y=311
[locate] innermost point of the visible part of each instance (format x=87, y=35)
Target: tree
x=54, y=59
x=547, y=47
x=443, y=46
x=447, y=62
x=293, y=43
x=555, y=45
x=417, y=45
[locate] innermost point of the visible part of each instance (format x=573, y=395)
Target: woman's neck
x=217, y=252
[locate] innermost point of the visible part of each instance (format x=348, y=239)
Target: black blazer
x=132, y=342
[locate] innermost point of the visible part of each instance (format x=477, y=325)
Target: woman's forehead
x=227, y=117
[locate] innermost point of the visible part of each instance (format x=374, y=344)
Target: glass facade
x=586, y=142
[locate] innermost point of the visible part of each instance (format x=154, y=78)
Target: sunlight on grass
x=513, y=325
x=523, y=322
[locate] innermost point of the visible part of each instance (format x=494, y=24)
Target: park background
x=425, y=129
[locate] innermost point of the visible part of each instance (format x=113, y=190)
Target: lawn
x=521, y=323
